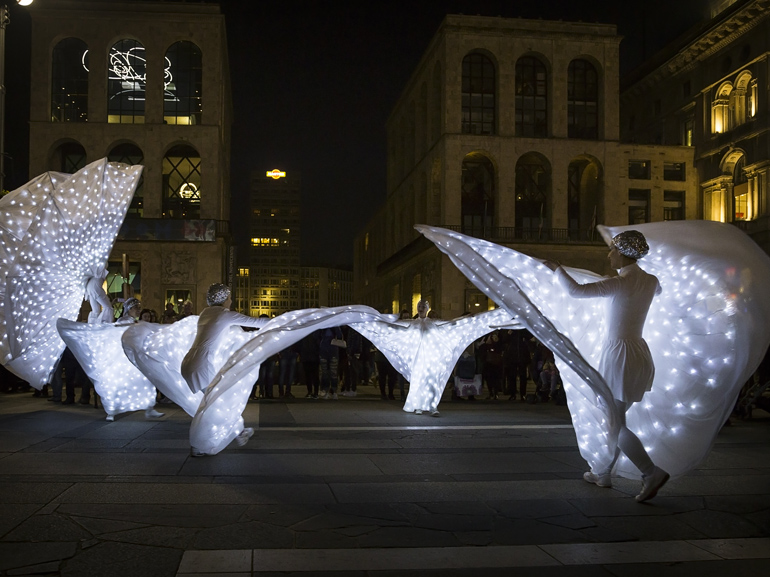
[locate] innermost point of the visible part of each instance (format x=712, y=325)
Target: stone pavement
x=357, y=487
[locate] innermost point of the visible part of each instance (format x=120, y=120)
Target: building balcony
x=176, y=230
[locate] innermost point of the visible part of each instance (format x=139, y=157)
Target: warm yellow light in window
x=243, y=272
x=264, y=241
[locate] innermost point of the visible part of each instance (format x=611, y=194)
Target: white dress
x=198, y=367
x=625, y=362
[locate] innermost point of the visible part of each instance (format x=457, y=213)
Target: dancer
x=626, y=362
x=706, y=336
x=425, y=350
x=198, y=367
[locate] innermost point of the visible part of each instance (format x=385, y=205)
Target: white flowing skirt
x=627, y=367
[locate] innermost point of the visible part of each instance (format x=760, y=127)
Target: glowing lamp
x=275, y=174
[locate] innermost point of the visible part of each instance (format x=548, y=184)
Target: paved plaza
x=357, y=487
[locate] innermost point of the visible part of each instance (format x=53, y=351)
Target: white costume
x=425, y=351
x=626, y=362
x=198, y=367
x=706, y=337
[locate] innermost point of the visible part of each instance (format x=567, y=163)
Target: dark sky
x=314, y=82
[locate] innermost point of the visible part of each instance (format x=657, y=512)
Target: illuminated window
x=638, y=206
x=753, y=104
x=183, y=84
x=130, y=154
x=673, y=205
x=126, y=80
x=639, y=169
x=531, y=98
x=582, y=100
x=721, y=118
x=243, y=272
x=69, y=81
x=263, y=241
x=742, y=210
x=181, y=183
x=478, y=95
x=687, y=131
x=69, y=157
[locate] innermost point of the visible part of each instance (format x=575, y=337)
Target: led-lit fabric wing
x=98, y=349
x=158, y=351
x=218, y=420
x=712, y=276
x=18, y=209
x=425, y=351
x=68, y=242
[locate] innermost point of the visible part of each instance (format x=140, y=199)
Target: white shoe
x=110, y=418
x=652, y=483
x=246, y=434
x=196, y=453
x=604, y=480
x=352, y=394
x=151, y=413
x=332, y=396
x=418, y=412
x=435, y=414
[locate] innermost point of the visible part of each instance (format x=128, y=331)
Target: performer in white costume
x=425, y=351
x=198, y=366
x=706, y=337
x=626, y=362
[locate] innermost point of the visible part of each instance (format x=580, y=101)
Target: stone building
x=711, y=91
x=142, y=83
x=508, y=130
x=273, y=266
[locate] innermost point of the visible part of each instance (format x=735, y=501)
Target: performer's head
x=217, y=295
x=423, y=307
x=132, y=307
x=627, y=247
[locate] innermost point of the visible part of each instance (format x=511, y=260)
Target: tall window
x=69, y=81
x=183, y=84
x=673, y=205
x=741, y=191
x=721, y=116
x=533, y=193
x=478, y=194
x=582, y=100
x=69, y=157
x=478, y=96
x=638, y=206
x=584, y=176
x=531, y=98
x=126, y=81
x=181, y=183
x=131, y=154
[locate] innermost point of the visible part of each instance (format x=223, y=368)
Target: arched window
x=721, y=117
x=131, y=154
x=533, y=195
x=582, y=100
x=183, y=84
x=181, y=183
x=741, y=99
x=584, y=180
x=478, y=98
x=126, y=81
x=478, y=195
x=742, y=206
x=531, y=98
x=69, y=81
x=69, y=157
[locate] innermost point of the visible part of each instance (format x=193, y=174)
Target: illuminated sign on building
x=275, y=174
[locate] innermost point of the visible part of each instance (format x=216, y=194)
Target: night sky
x=314, y=83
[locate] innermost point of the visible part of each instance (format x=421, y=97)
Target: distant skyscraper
x=274, y=237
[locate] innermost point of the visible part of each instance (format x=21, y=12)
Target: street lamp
x=4, y=20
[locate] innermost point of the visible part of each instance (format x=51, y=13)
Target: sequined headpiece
x=631, y=243
x=130, y=303
x=217, y=294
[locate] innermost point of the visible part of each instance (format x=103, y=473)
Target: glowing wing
x=218, y=419
x=98, y=349
x=68, y=241
x=158, y=351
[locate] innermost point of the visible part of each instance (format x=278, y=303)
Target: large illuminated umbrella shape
x=707, y=332
x=425, y=350
x=67, y=243
x=218, y=420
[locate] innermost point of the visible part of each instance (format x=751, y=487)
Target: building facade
x=142, y=83
x=326, y=287
x=508, y=130
x=273, y=265
x=711, y=91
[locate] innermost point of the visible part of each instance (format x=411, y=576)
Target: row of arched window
x=126, y=82
x=181, y=175
x=479, y=97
